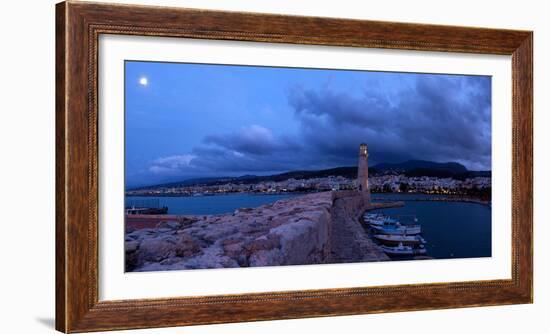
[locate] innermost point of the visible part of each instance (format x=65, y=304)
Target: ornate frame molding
x=78, y=27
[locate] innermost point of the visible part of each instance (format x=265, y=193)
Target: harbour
x=443, y=229
x=336, y=226
x=450, y=228
x=393, y=237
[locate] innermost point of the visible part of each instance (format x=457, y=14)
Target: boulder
x=265, y=242
x=156, y=250
x=130, y=246
x=187, y=246
x=265, y=258
x=169, y=225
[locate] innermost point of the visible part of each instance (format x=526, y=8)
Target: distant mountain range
x=408, y=168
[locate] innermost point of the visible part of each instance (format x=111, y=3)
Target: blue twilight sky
x=199, y=120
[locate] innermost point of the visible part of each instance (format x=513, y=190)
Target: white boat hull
x=400, y=230
x=404, y=239
x=403, y=250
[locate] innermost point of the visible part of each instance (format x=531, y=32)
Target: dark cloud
x=439, y=118
x=253, y=139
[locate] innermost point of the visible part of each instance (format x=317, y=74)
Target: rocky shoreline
x=310, y=229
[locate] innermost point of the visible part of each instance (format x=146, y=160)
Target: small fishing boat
x=145, y=207
x=370, y=216
x=403, y=250
x=397, y=229
x=383, y=220
x=146, y=211
x=395, y=239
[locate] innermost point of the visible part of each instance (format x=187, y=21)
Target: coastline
x=429, y=197
x=435, y=198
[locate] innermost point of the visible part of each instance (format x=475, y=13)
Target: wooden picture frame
x=78, y=26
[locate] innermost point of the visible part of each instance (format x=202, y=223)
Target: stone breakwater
x=310, y=229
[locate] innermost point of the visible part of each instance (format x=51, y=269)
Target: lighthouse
x=363, y=170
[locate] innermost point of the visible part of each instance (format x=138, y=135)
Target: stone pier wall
x=350, y=242
x=310, y=229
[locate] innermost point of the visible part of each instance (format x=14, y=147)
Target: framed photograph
x=223, y=166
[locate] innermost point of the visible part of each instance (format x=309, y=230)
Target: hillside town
x=377, y=184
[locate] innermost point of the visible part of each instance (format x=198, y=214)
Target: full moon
x=143, y=81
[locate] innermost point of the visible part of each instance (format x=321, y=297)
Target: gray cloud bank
x=438, y=118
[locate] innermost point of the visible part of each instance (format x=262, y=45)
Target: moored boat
x=146, y=211
x=145, y=207
x=380, y=220
x=384, y=221
x=395, y=239
x=397, y=229
x=403, y=250
x=370, y=216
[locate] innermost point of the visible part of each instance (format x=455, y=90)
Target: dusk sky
x=191, y=120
